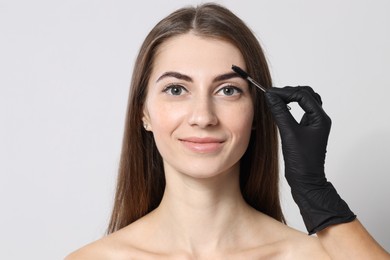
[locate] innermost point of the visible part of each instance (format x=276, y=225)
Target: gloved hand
x=304, y=148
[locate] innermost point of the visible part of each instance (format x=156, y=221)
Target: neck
x=203, y=214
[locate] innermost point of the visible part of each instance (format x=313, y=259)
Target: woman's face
x=199, y=110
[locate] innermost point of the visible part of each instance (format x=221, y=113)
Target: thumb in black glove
x=304, y=149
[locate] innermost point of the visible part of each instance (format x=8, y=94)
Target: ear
x=146, y=120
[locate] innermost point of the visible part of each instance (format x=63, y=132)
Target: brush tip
x=239, y=71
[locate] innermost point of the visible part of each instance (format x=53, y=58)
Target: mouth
x=202, y=145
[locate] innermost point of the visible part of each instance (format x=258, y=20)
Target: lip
x=202, y=145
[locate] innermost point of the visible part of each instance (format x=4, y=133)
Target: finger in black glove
x=304, y=149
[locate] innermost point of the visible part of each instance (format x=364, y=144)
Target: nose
x=203, y=113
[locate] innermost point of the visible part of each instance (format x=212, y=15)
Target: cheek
x=164, y=118
x=241, y=119
x=164, y=121
x=241, y=123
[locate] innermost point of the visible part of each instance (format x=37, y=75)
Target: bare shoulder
x=285, y=242
x=306, y=247
x=104, y=248
x=118, y=245
x=95, y=250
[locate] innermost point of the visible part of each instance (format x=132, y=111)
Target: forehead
x=190, y=53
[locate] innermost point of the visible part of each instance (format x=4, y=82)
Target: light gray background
x=65, y=69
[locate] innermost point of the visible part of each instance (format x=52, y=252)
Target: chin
x=205, y=171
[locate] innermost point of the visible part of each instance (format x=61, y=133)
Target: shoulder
x=305, y=247
x=113, y=246
x=104, y=248
x=288, y=243
x=96, y=250
x=126, y=243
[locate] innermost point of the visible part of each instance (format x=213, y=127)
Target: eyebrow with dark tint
x=174, y=74
x=226, y=76
x=178, y=75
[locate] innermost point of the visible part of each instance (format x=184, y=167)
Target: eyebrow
x=174, y=74
x=184, y=77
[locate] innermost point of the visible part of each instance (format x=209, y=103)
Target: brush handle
x=256, y=84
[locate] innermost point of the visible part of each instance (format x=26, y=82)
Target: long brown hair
x=141, y=181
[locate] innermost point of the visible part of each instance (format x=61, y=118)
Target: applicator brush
x=245, y=75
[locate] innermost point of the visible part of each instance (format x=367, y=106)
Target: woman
x=198, y=175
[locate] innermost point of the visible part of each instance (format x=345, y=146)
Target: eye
x=175, y=90
x=229, y=91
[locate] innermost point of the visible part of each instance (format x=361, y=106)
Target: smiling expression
x=199, y=110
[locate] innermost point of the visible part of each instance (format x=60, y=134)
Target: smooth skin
x=201, y=115
x=351, y=241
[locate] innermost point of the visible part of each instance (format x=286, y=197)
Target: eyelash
x=173, y=86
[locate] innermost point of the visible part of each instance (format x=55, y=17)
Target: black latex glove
x=304, y=148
